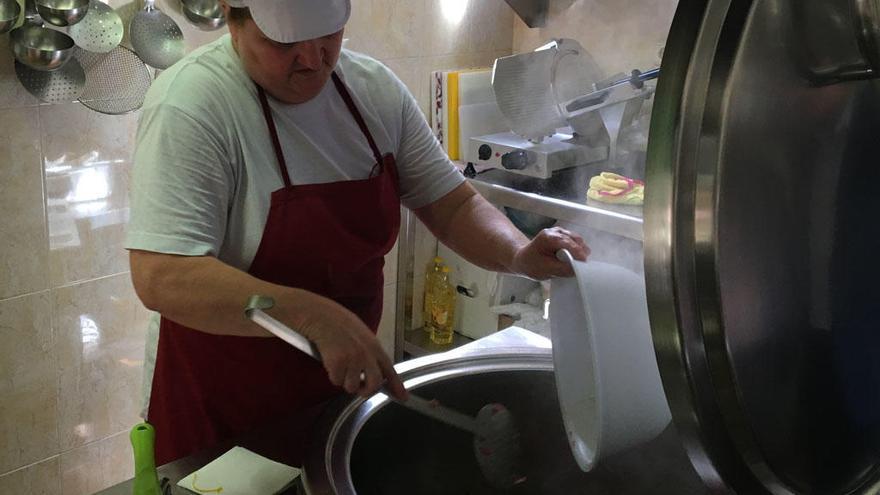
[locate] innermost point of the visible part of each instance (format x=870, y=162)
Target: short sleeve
x=426, y=173
x=182, y=185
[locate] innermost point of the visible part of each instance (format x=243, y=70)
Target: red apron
x=329, y=239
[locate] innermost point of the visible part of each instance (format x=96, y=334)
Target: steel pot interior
x=397, y=452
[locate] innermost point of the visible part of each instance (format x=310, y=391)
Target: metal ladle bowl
x=62, y=12
x=40, y=48
x=206, y=15
x=9, y=12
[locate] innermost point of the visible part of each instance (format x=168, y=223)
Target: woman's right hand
x=348, y=348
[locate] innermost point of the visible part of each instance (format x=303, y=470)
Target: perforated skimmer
x=101, y=30
x=116, y=82
x=62, y=85
x=155, y=37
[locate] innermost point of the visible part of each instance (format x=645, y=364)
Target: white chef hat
x=289, y=21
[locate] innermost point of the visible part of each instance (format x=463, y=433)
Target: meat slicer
x=562, y=112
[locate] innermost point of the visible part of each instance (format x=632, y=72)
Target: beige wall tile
x=87, y=159
x=38, y=479
x=491, y=26
x=80, y=470
x=450, y=29
x=620, y=34
x=96, y=466
x=100, y=326
x=468, y=26
x=29, y=411
x=117, y=459
x=388, y=29
x=23, y=246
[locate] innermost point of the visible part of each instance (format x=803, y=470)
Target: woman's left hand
x=537, y=259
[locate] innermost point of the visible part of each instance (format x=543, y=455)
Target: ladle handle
x=254, y=311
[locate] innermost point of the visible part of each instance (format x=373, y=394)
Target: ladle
x=204, y=14
x=155, y=37
x=62, y=12
x=496, y=438
x=38, y=47
x=9, y=12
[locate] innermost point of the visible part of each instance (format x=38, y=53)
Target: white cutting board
x=478, y=114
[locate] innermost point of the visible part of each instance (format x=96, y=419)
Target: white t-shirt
x=205, y=169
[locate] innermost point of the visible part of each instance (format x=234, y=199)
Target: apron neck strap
x=349, y=102
x=273, y=133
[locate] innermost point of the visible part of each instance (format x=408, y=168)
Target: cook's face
x=290, y=72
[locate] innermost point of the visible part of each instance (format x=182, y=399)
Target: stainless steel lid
x=762, y=245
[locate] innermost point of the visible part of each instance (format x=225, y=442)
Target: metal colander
x=101, y=30
x=156, y=38
x=116, y=82
x=62, y=85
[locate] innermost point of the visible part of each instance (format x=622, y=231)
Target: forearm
x=474, y=229
x=204, y=293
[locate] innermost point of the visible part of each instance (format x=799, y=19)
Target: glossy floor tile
x=23, y=246
x=29, y=412
x=100, y=328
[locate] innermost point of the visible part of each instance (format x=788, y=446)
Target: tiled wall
x=620, y=34
x=71, y=327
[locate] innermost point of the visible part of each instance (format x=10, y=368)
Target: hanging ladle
x=156, y=38
x=9, y=12
x=204, y=14
x=62, y=12
x=496, y=438
x=38, y=47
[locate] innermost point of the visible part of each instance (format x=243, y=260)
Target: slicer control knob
x=484, y=152
x=515, y=160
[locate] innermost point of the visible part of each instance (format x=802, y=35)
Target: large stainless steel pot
x=761, y=242
x=376, y=447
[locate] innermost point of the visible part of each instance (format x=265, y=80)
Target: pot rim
x=326, y=464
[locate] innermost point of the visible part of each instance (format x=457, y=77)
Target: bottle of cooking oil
x=432, y=277
x=443, y=310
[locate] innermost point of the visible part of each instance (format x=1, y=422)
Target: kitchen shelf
x=418, y=343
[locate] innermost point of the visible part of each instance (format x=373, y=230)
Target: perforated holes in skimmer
x=101, y=30
x=156, y=38
x=63, y=85
x=116, y=82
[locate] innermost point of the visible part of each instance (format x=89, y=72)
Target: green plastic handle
x=146, y=479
